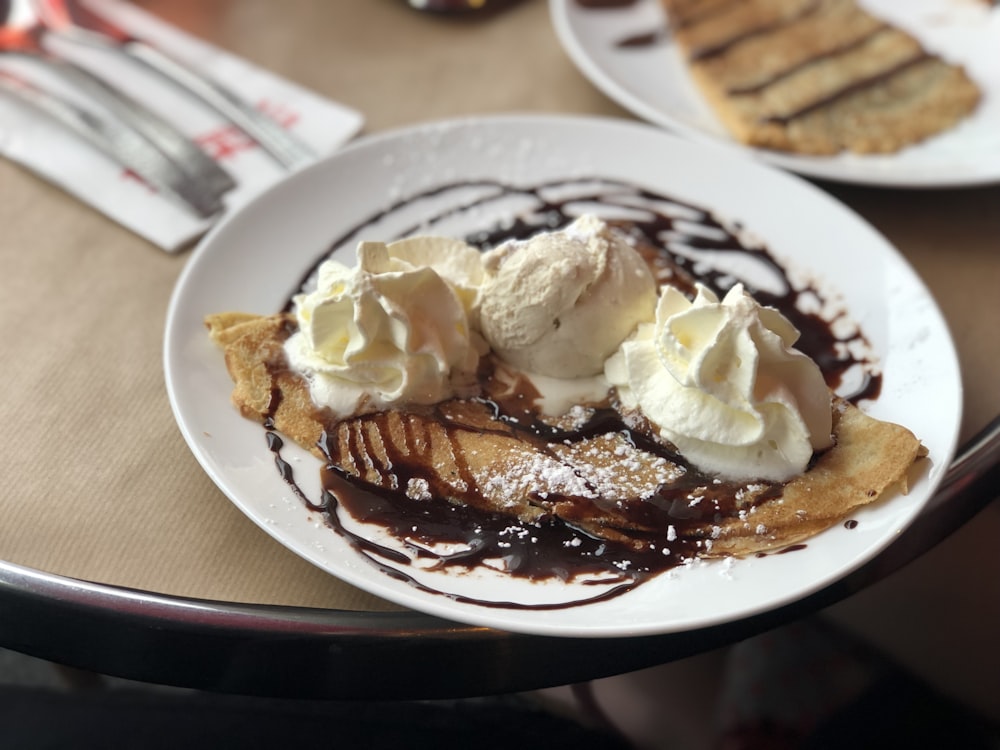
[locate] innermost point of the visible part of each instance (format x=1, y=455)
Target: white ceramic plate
x=651, y=82
x=257, y=257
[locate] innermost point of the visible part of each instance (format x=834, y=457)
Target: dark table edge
x=294, y=652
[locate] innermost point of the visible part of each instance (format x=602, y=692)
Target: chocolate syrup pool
x=683, y=244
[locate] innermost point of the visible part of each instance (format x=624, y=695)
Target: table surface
x=107, y=515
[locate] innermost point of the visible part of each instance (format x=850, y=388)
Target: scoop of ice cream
x=392, y=330
x=560, y=303
x=722, y=383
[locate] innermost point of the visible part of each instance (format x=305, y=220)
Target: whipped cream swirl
x=391, y=330
x=723, y=383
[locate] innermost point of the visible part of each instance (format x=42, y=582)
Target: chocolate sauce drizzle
x=642, y=39
x=852, y=88
x=693, y=18
x=723, y=46
x=842, y=49
x=676, y=238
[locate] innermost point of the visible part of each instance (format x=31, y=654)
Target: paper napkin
x=47, y=148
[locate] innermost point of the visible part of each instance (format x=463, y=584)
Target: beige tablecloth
x=97, y=482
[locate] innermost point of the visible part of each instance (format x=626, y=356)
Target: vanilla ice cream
x=559, y=303
x=722, y=382
x=393, y=330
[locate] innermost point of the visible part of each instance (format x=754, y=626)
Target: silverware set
x=119, y=125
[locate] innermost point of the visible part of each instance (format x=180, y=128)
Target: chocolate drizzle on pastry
x=761, y=29
x=848, y=89
x=848, y=46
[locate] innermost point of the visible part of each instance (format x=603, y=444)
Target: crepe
x=461, y=452
x=817, y=76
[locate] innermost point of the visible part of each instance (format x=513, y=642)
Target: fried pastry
x=605, y=473
x=817, y=76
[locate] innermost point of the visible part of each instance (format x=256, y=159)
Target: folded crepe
x=817, y=76
x=605, y=483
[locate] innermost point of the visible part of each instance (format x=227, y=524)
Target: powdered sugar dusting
x=606, y=467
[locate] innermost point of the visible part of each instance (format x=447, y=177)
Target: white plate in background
x=652, y=82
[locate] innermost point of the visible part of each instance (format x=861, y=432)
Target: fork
x=76, y=22
x=22, y=35
x=123, y=144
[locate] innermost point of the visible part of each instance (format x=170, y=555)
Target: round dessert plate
x=255, y=258
x=625, y=50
